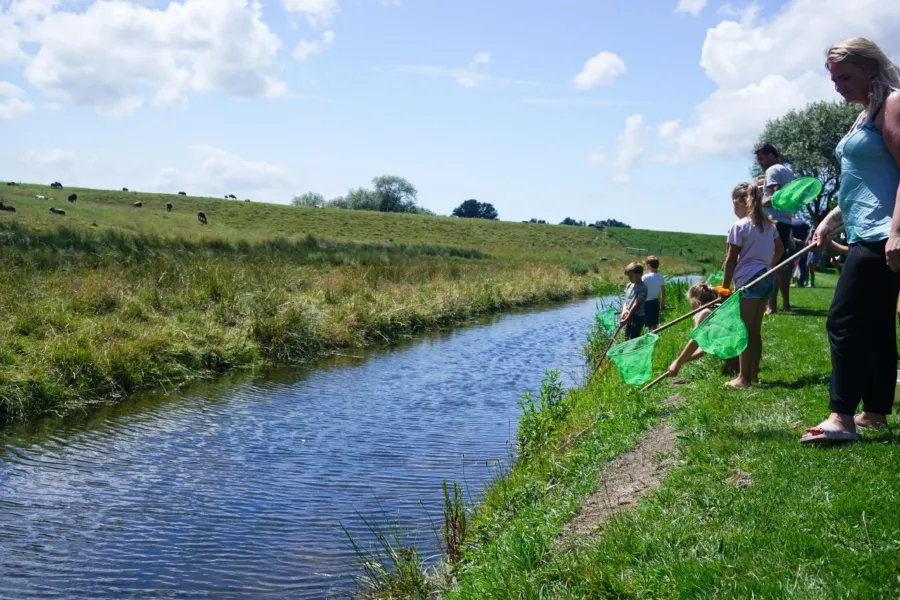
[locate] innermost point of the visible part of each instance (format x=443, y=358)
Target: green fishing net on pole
x=723, y=333
x=608, y=319
x=716, y=279
x=797, y=194
x=634, y=358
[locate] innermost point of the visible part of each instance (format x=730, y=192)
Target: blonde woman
x=861, y=323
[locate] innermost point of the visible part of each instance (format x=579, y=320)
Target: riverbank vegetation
x=113, y=298
x=743, y=509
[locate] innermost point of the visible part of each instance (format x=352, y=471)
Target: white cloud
x=631, y=142
x=668, y=129
x=597, y=157
x=469, y=77
x=305, y=49
x=12, y=104
x=694, y=7
x=12, y=108
x=392, y=2
x=764, y=68
x=599, y=70
x=110, y=54
x=219, y=171
x=621, y=178
x=318, y=12
x=58, y=158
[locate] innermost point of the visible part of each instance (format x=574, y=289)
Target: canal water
x=244, y=488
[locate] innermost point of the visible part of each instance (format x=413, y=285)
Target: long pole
x=612, y=340
x=683, y=317
x=655, y=381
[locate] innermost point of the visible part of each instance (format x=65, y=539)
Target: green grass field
x=801, y=522
x=110, y=298
x=668, y=244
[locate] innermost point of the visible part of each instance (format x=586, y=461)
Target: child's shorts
x=762, y=290
x=651, y=313
x=634, y=327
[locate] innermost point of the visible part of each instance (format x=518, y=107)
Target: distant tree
x=473, y=209
x=541, y=221
x=309, y=199
x=806, y=140
x=613, y=223
x=395, y=194
x=573, y=222
x=391, y=194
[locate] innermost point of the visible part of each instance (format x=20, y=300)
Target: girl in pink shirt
x=753, y=244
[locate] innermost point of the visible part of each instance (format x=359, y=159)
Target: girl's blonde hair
x=861, y=51
x=702, y=292
x=751, y=196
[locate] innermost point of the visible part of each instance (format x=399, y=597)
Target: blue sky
x=466, y=99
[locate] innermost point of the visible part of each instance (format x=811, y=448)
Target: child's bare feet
x=738, y=384
x=868, y=420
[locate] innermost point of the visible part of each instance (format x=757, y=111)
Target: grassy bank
x=744, y=510
x=111, y=298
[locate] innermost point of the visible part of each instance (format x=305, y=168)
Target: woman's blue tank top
x=869, y=180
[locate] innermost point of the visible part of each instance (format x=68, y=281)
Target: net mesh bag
x=723, y=333
x=716, y=279
x=634, y=358
x=608, y=319
x=797, y=194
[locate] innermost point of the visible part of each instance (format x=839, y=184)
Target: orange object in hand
x=723, y=291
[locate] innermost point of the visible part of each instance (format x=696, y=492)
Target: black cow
x=73, y=197
x=57, y=211
x=12, y=183
x=138, y=204
x=182, y=194
x=56, y=185
x=124, y=189
x=168, y=207
x=231, y=197
x=201, y=216
x=6, y=207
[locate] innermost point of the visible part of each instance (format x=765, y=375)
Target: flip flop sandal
x=827, y=432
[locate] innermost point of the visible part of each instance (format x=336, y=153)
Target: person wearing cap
x=776, y=177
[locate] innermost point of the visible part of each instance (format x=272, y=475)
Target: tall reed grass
x=92, y=318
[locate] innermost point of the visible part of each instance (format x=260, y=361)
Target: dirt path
x=623, y=481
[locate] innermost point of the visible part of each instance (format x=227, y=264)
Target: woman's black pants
x=862, y=332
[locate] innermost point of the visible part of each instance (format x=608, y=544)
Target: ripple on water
x=240, y=491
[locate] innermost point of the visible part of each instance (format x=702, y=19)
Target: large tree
x=395, y=194
x=309, y=199
x=473, y=209
x=806, y=140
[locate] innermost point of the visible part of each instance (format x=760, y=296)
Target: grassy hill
x=250, y=221
x=111, y=298
x=666, y=243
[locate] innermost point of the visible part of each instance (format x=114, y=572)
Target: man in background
x=776, y=177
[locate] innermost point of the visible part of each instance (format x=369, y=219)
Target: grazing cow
x=12, y=183
x=56, y=185
x=201, y=216
x=138, y=204
x=182, y=194
x=231, y=196
x=124, y=189
x=39, y=197
x=73, y=197
x=57, y=211
x=6, y=207
x=168, y=207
